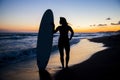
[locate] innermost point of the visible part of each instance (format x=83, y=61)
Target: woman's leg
x=61, y=50
x=67, y=49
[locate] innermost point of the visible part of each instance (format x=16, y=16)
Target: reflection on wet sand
x=79, y=53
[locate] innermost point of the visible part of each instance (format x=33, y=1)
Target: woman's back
x=64, y=31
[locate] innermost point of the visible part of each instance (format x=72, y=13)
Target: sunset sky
x=82, y=15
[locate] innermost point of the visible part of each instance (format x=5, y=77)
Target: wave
x=16, y=56
x=15, y=49
x=15, y=36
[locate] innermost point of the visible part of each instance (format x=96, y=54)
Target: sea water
x=18, y=46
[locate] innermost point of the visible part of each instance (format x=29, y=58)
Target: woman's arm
x=56, y=30
x=72, y=33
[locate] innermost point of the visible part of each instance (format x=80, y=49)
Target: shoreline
x=103, y=65
x=27, y=70
x=78, y=53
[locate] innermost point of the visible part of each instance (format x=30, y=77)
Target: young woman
x=63, y=42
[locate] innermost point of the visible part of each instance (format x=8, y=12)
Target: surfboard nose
x=49, y=11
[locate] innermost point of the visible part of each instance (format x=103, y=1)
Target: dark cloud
x=92, y=25
x=114, y=23
x=102, y=25
x=108, y=18
x=118, y=23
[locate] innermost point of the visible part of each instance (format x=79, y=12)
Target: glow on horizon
x=100, y=29
x=25, y=15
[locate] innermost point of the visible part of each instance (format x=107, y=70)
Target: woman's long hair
x=63, y=21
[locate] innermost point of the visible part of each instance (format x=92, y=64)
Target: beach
x=28, y=70
x=60, y=40
x=90, y=59
x=103, y=65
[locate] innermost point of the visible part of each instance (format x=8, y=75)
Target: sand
x=103, y=65
x=80, y=53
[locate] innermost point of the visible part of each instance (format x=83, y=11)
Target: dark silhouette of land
x=103, y=65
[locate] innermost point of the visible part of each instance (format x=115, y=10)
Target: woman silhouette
x=63, y=42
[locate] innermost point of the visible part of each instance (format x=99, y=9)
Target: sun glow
x=25, y=15
x=98, y=29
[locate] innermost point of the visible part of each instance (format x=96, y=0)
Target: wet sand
x=27, y=70
x=103, y=65
x=79, y=53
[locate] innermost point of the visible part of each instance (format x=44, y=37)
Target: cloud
x=102, y=25
x=92, y=25
x=118, y=23
x=108, y=18
x=98, y=25
x=114, y=23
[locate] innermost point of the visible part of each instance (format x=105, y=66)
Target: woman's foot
x=66, y=66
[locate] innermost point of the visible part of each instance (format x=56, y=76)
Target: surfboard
x=45, y=38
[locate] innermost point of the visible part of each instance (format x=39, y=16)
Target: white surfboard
x=45, y=38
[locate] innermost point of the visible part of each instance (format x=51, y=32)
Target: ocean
x=15, y=47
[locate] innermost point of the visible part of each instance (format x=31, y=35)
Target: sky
x=82, y=15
